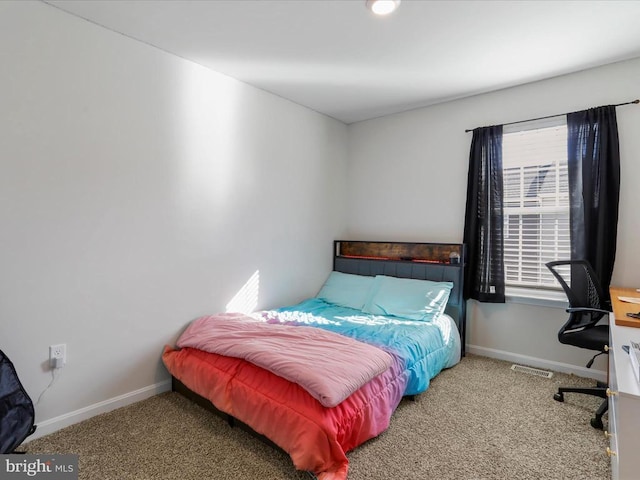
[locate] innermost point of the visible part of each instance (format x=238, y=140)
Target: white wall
x=137, y=192
x=419, y=161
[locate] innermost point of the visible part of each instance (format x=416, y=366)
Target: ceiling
x=337, y=58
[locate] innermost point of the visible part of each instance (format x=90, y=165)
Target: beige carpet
x=478, y=420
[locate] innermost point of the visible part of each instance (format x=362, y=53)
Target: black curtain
x=483, y=223
x=594, y=188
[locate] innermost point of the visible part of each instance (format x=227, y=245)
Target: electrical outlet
x=58, y=355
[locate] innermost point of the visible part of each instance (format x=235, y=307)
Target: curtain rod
x=636, y=101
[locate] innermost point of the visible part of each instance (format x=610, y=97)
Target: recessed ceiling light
x=382, y=7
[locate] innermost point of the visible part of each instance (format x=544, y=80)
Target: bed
x=365, y=310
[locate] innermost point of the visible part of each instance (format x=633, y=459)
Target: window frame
x=534, y=295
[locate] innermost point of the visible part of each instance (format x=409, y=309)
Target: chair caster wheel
x=597, y=423
x=558, y=397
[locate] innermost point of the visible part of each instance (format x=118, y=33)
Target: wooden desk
x=620, y=309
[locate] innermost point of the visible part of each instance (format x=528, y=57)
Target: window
x=535, y=202
x=535, y=162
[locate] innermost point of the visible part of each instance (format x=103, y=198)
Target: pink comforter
x=327, y=365
x=317, y=438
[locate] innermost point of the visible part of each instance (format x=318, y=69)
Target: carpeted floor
x=478, y=420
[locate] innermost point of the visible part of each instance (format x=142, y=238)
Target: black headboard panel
x=437, y=262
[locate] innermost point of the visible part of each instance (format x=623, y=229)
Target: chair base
x=599, y=391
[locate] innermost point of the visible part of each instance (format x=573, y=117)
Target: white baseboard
x=538, y=362
x=54, y=424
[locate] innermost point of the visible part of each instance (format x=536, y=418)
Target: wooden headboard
x=438, y=262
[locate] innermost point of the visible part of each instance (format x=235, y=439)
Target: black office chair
x=587, y=306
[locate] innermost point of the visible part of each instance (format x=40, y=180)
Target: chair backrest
x=583, y=290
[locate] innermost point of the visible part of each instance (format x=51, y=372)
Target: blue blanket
x=425, y=347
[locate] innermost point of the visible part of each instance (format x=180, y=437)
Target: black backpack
x=16, y=408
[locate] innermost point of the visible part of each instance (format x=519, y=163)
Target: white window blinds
x=536, y=202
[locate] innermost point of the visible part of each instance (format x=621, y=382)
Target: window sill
x=532, y=296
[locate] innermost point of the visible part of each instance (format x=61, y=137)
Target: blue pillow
x=346, y=290
x=422, y=300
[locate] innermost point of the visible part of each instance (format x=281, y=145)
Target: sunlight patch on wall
x=209, y=134
x=246, y=300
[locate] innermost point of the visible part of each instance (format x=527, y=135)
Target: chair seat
x=594, y=338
